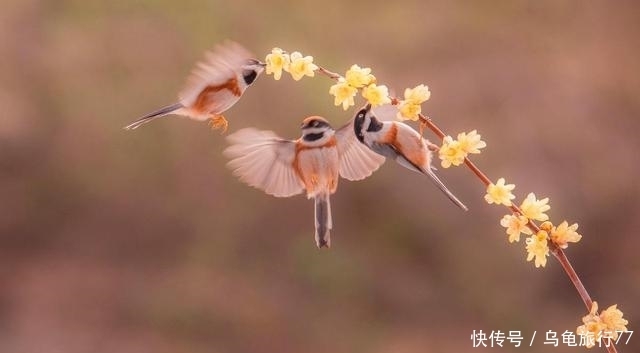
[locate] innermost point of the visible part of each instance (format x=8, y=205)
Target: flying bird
x=399, y=142
x=215, y=85
x=312, y=163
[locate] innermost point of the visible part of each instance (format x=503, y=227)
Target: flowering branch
x=544, y=239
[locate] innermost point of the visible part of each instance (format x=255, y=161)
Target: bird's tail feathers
x=323, y=221
x=170, y=109
x=444, y=189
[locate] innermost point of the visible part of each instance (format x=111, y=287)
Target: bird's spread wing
x=265, y=161
x=215, y=73
x=357, y=161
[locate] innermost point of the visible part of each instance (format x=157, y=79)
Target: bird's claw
x=219, y=122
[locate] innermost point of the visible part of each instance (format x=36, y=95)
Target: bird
x=398, y=141
x=213, y=87
x=311, y=163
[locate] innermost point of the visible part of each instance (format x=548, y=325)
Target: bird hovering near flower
x=214, y=86
x=398, y=141
x=313, y=163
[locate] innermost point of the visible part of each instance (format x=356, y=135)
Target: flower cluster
x=606, y=325
x=295, y=63
x=518, y=222
x=411, y=106
x=354, y=79
x=453, y=152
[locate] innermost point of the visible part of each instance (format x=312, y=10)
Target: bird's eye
x=360, y=115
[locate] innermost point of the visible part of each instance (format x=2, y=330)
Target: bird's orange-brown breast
x=317, y=166
x=205, y=98
x=411, y=146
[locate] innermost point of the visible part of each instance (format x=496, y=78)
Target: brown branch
x=331, y=75
x=557, y=252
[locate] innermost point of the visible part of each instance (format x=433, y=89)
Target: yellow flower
x=417, y=95
x=408, y=110
x=592, y=332
x=359, y=77
x=277, y=61
x=471, y=142
x=451, y=153
x=563, y=234
x=344, y=93
x=499, y=193
x=376, y=95
x=612, y=319
x=546, y=225
x=301, y=66
x=609, y=321
x=538, y=248
x=533, y=208
x=515, y=225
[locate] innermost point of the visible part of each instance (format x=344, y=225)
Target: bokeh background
x=143, y=241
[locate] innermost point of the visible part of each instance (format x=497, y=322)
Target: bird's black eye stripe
x=375, y=125
x=313, y=137
x=358, y=123
x=249, y=76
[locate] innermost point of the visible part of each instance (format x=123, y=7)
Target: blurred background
x=143, y=241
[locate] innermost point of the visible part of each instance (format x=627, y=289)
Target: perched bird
x=313, y=162
x=398, y=141
x=214, y=86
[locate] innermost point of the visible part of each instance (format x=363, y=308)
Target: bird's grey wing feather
x=357, y=161
x=390, y=152
x=265, y=161
x=220, y=65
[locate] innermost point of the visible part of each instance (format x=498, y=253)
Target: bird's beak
x=367, y=107
x=261, y=63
